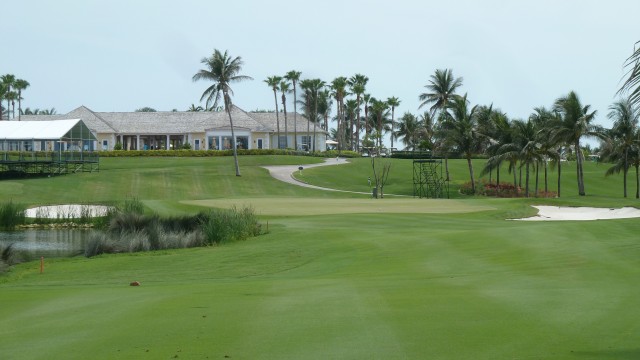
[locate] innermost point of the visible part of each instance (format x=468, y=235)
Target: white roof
x=44, y=130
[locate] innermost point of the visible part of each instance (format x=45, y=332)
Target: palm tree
x=222, y=70
x=428, y=140
x=324, y=106
x=51, y=111
x=8, y=80
x=358, y=83
x=576, y=123
x=20, y=85
x=284, y=88
x=366, y=99
x=623, y=141
x=380, y=110
x=273, y=82
x=307, y=85
x=441, y=89
x=393, y=102
x=3, y=92
x=194, y=108
x=294, y=77
x=632, y=84
x=410, y=130
x=461, y=129
x=316, y=88
x=338, y=85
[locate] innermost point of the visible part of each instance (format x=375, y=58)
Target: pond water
x=32, y=244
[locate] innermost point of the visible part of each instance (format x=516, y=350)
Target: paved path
x=285, y=173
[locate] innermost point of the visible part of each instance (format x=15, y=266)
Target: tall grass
x=8, y=257
x=11, y=215
x=224, y=226
x=134, y=232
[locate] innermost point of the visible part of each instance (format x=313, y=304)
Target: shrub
x=8, y=257
x=11, y=215
x=225, y=226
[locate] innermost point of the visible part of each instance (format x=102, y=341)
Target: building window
x=282, y=142
x=214, y=143
x=105, y=145
x=242, y=142
x=305, y=142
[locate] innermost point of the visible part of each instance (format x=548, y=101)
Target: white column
x=168, y=138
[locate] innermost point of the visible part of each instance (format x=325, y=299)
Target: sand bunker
x=67, y=211
x=560, y=213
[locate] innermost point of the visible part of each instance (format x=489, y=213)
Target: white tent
x=72, y=129
x=331, y=142
x=45, y=135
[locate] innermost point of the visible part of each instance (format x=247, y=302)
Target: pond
x=32, y=244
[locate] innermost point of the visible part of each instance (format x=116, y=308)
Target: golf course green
x=338, y=275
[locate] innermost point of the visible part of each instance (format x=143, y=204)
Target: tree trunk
x=526, y=184
x=275, y=99
x=227, y=103
x=559, y=173
x=546, y=179
x=637, y=181
x=286, y=131
x=357, y=124
x=625, y=170
x=295, y=117
x=392, y=119
x=579, y=159
x=473, y=183
x=537, y=178
x=498, y=176
x=446, y=166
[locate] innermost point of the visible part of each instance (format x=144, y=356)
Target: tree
x=632, y=84
x=20, y=85
x=576, y=123
x=410, y=130
x=358, y=83
x=146, y=109
x=380, y=110
x=316, y=88
x=441, y=89
x=3, y=92
x=294, y=77
x=338, y=85
x=461, y=129
x=284, y=88
x=274, y=82
x=194, y=108
x=8, y=80
x=622, y=143
x=366, y=99
x=222, y=70
x=393, y=102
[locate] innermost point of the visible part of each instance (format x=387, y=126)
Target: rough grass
x=363, y=283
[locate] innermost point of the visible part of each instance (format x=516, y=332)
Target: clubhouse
x=203, y=130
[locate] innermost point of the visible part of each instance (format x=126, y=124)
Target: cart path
x=285, y=173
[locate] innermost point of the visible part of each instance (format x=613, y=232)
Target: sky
x=123, y=55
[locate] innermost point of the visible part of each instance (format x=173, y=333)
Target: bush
x=225, y=226
x=11, y=215
x=133, y=232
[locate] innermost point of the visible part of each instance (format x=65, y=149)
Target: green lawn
x=338, y=276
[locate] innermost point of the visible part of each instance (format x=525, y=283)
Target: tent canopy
x=72, y=129
x=331, y=142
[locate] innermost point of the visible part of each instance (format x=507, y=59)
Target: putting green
x=323, y=206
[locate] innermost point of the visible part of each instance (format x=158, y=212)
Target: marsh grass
x=11, y=215
x=8, y=257
x=134, y=232
x=224, y=226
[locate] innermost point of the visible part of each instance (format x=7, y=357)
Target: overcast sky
x=122, y=55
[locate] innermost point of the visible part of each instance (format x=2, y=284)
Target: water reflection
x=32, y=244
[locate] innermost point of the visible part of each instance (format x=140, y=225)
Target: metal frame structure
x=428, y=180
x=47, y=163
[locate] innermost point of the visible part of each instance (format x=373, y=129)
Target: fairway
x=322, y=206
x=336, y=276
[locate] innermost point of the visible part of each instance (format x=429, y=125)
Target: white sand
x=66, y=211
x=560, y=213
